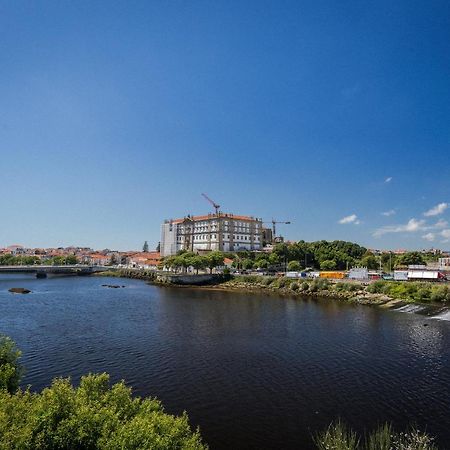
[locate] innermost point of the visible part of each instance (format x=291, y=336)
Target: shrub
x=266, y=281
x=377, y=287
x=440, y=294
x=253, y=279
x=347, y=287
x=304, y=286
x=295, y=286
x=423, y=294
x=92, y=416
x=10, y=369
x=319, y=284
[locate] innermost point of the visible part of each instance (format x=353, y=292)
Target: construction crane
x=274, y=222
x=216, y=206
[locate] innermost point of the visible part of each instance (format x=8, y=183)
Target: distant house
x=98, y=259
x=145, y=260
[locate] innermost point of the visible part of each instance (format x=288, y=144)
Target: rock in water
x=19, y=291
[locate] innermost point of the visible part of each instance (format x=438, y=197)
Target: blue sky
x=117, y=115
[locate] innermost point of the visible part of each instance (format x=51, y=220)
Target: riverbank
x=381, y=293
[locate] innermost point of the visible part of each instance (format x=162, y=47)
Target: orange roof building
x=221, y=231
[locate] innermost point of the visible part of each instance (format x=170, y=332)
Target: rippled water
x=253, y=371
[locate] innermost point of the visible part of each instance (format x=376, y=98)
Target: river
x=253, y=371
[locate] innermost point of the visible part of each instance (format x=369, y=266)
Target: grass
x=339, y=437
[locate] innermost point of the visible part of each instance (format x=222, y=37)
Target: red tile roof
x=213, y=216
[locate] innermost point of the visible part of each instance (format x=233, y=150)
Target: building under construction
x=215, y=231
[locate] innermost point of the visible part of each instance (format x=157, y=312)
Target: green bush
x=281, y=282
x=423, y=294
x=347, y=287
x=266, y=281
x=295, y=286
x=377, y=287
x=10, y=369
x=304, y=286
x=253, y=279
x=319, y=284
x=92, y=416
x=440, y=294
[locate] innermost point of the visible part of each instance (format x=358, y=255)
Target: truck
x=426, y=275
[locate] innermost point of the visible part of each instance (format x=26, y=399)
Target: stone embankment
x=360, y=296
x=166, y=278
x=388, y=294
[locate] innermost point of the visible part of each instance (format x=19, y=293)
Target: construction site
x=217, y=231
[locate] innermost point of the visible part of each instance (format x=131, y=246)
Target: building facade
x=223, y=232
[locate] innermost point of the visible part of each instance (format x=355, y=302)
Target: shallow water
x=252, y=370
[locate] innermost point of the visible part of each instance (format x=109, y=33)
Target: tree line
x=184, y=259
x=31, y=260
x=326, y=255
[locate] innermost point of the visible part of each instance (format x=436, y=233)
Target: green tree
x=294, y=266
x=71, y=259
x=370, y=261
x=262, y=264
x=92, y=416
x=247, y=264
x=328, y=264
x=410, y=258
x=145, y=247
x=199, y=263
x=214, y=259
x=10, y=369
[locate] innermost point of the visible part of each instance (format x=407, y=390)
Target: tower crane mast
x=274, y=222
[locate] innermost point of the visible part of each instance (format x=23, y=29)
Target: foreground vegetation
x=338, y=437
x=377, y=291
x=92, y=416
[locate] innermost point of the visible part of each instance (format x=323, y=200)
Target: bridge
x=43, y=271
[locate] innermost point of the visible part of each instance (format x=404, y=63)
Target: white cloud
x=410, y=227
x=441, y=223
x=445, y=233
x=388, y=180
x=429, y=237
x=436, y=210
x=391, y=212
x=353, y=218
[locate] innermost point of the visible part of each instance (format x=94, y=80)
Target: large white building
x=224, y=232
